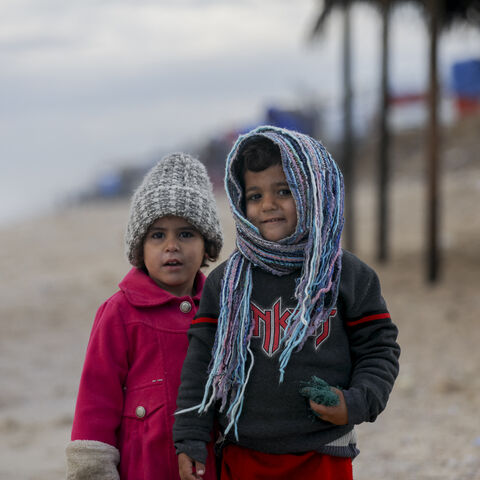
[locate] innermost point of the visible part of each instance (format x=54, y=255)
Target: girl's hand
x=337, y=415
x=189, y=469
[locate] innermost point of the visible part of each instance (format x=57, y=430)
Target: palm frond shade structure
x=439, y=14
x=346, y=159
x=347, y=154
x=452, y=12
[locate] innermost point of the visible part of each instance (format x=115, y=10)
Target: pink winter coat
x=128, y=389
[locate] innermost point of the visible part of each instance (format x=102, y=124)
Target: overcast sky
x=89, y=84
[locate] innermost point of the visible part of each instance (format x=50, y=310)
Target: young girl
x=124, y=413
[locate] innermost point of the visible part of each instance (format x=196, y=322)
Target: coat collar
x=142, y=291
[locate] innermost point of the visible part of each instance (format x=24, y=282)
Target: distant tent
x=304, y=121
x=110, y=185
x=466, y=85
x=298, y=120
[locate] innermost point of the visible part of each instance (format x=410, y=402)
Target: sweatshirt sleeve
x=373, y=342
x=191, y=430
x=99, y=406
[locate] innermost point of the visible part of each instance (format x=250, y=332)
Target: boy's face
x=269, y=203
x=173, y=252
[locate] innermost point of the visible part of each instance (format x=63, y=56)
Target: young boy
x=287, y=314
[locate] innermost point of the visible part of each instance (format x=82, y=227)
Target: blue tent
x=466, y=78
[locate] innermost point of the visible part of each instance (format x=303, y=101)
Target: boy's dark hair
x=259, y=154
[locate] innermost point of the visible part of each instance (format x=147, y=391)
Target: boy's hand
x=189, y=469
x=337, y=415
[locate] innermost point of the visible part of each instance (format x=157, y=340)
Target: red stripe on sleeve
x=369, y=318
x=204, y=320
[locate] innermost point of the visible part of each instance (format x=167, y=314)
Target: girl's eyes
x=284, y=192
x=161, y=235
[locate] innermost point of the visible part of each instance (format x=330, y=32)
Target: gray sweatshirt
x=355, y=350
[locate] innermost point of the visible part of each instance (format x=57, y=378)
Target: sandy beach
x=57, y=269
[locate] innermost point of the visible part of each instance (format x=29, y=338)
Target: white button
x=140, y=411
x=185, y=306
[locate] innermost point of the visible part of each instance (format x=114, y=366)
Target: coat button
x=140, y=411
x=185, y=306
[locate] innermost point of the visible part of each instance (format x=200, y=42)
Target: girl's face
x=269, y=203
x=173, y=252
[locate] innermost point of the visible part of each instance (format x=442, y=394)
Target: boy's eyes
x=283, y=192
x=253, y=197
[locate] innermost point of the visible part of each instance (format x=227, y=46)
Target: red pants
x=242, y=463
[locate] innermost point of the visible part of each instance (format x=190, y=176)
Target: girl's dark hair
x=212, y=251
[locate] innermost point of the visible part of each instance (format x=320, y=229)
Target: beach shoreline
x=59, y=268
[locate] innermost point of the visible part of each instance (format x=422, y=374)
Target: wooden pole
x=347, y=151
x=432, y=246
x=383, y=154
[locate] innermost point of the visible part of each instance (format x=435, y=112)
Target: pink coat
x=128, y=389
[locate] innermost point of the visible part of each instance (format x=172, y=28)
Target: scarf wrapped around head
x=317, y=188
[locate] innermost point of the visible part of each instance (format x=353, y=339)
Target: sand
x=57, y=269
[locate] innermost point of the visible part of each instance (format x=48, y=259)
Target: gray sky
x=90, y=84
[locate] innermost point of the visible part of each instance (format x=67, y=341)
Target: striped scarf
x=317, y=188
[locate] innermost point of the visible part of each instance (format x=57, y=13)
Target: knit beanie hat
x=177, y=185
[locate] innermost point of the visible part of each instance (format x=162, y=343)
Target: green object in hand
x=319, y=391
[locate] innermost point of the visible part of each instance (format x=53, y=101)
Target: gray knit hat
x=177, y=185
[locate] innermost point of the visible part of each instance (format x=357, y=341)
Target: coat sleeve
x=99, y=404
x=89, y=459
x=192, y=431
x=373, y=342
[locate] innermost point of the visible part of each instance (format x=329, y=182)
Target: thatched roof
x=459, y=11
x=454, y=11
